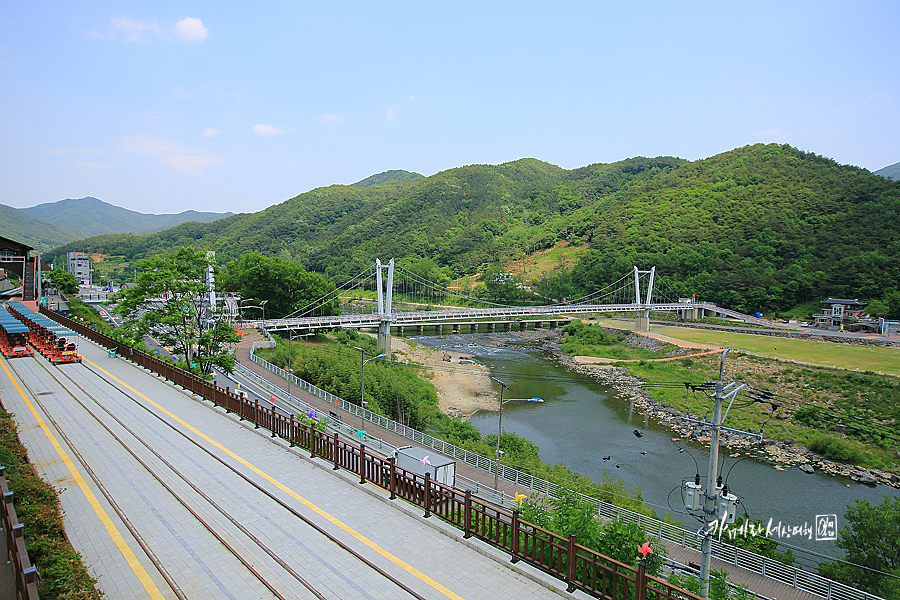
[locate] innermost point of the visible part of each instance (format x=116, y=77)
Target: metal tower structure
x=385, y=305
x=642, y=323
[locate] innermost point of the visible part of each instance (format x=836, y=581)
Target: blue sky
x=223, y=106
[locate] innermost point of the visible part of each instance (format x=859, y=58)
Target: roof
x=20, y=248
x=854, y=302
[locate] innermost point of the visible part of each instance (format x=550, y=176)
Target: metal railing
x=580, y=567
x=17, y=555
x=767, y=567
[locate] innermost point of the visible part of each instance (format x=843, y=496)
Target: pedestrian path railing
x=17, y=555
x=756, y=563
x=581, y=567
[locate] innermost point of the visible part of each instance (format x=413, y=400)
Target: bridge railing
x=24, y=573
x=756, y=563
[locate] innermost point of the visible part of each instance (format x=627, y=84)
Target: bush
x=835, y=449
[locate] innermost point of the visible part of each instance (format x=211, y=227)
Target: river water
x=581, y=421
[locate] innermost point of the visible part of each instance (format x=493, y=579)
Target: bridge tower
x=385, y=306
x=642, y=323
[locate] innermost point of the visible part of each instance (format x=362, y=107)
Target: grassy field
x=843, y=356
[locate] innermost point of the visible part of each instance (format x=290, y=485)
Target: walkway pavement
x=431, y=556
x=762, y=585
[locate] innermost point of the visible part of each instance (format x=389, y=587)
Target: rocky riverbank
x=781, y=454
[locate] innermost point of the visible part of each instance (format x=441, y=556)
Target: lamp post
x=261, y=306
x=362, y=386
x=291, y=338
x=503, y=386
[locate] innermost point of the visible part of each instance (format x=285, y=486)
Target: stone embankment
x=782, y=455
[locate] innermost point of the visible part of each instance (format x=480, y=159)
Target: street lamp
x=503, y=386
x=362, y=387
x=261, y=306
x=291, y=338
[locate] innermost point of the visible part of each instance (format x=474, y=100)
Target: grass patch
x=810, y=404
x=846, y=356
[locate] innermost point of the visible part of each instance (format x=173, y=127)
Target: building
x=81, y=266
x=17, y=258
x=838, y=311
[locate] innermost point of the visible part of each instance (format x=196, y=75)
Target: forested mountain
x=890, y=171
x=18, y=225
x=761, y=226
x=386, y=177
x=91, y=216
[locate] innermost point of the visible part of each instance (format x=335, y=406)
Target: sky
x=163, y=106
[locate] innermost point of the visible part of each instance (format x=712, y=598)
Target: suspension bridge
x=388, y=297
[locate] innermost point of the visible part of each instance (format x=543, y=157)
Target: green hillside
x=890, y=171
x=761, y=226
x=386, y=177
x=18, y=225
x=91, y=216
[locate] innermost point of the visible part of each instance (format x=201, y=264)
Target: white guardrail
x=772, y=569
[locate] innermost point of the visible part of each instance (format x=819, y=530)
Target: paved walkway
x=112, y=531
x=762, y=585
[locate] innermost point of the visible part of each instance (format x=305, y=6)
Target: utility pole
x=709, y=506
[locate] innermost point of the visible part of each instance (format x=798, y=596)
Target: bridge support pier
x=384, y=338
x=420, y=329
x=490, y=326
x=642, y=324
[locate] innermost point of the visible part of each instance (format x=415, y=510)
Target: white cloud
x=129, y=29
x=392, y=112
x=145, y=144
x=266, y=130
x=190, y=29
x=169, y=153
x=210, y=132
x=94, y=166
x=190, y=164
x=774, y=135
x=331, y=119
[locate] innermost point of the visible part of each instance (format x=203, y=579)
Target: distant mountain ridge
x=18, y=225
x=90, y=216
x=890, y=171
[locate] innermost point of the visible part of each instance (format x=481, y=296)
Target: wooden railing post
x=640, y=583
x=274, y=427
x=392, y=478
x=334, y=451
x=515, y=536
x=427, y=495
x=467, y=517
x=570, y=571
x=362, y=463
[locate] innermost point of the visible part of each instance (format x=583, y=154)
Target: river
x=581, y=421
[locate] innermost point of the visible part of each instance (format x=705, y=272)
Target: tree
x=170, y=302
x=285, y=285
x=64, y=281
x=871, y=540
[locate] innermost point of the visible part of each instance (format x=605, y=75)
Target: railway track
x=279, y=573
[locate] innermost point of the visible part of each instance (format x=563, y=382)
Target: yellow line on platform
x=111, y=529
x=389, y=556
